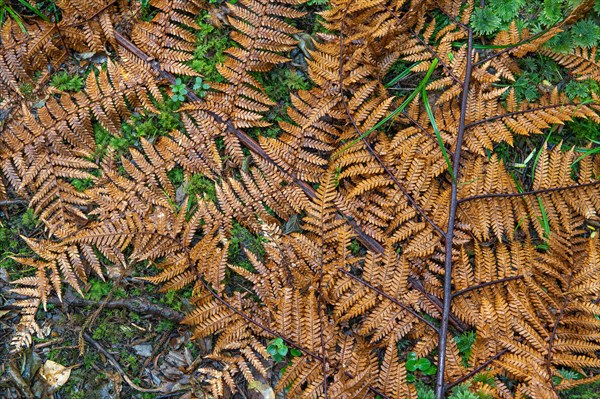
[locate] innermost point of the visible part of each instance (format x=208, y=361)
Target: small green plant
x=65, y=82
x=179, y=90
x=581, y=90
x=279, y=350
x=464, y=342
x=98, y=289
x=26, y=89
x=585, y=33
x=210, y=47
x=200, y=87
x=164, y=325
x=82, y=184
x=414, y=364
x=485, y=21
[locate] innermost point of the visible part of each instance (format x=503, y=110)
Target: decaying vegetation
x=388, y=225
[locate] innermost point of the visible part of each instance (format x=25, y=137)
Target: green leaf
x=272, y=350
x=423, y=364
x=412, y=356
x=295, y=352
x=430, y=371
x=283, y=350
x=411, y=365
x=410, y=378
x=277, y=357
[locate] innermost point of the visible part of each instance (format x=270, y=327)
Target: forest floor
x=131, y=346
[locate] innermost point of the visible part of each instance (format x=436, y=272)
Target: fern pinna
x=412, y=230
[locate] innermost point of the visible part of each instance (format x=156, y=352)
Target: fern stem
x=443, y=335
x=390, y=298
x=526, y=193
x=476, y=370
x=486, y=284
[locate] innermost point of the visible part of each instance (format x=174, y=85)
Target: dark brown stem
x=509, y=114
x=534, y=192
x=555, y=330
x=437, y=303
x=483, y=285
x=14, y=202
x=116, y=365
x=447, y=300
x=137, y=305
x=475, y=370
x=390, y=298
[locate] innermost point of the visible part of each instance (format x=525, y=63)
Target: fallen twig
x=116, y=365
x=17, y=379
x=137, y=305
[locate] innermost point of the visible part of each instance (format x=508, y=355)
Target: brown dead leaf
x=54, y=375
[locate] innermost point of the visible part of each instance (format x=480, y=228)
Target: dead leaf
x=265, y=390
x=55, y=375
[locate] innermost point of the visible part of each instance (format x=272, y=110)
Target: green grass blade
x=586, y=152
x=402, y=75
x=34, y=9
x=17, y=19
x=398, y=110
x=544, y=218
x=437, y=132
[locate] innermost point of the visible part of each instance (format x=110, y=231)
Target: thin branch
x=137, y=305
x=14, y=202
x=389, y=297
x=555, y=329
x=117, y=366
x=475, y=370
x=483, y=285
x=447, y=300
x=525, y=193
x=522, y=112
x=437, y=303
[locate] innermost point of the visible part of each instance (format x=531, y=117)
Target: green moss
x=242, y=239
x=65, y=82
x=282, y=80
x=11, y=244
x=202, y=186
x=211, y=44
x=164, y=325
x=98, y=289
